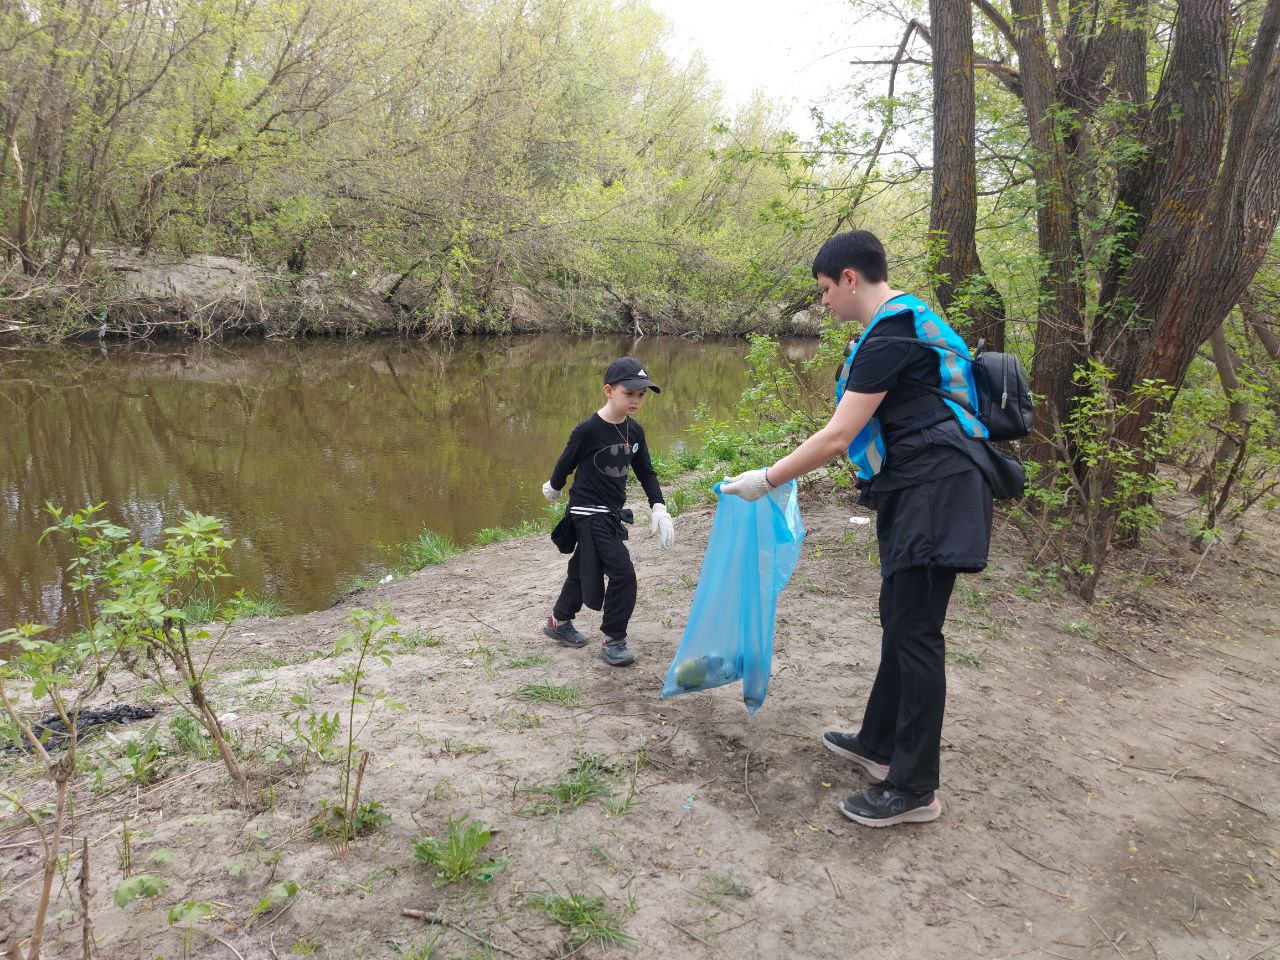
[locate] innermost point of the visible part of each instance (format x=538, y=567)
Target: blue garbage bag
x=750, y=556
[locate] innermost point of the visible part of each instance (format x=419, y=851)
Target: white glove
x=750, y=486
x=660, y=523
x=550, y=492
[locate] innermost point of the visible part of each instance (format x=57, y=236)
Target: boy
x=925, y=467
x=599, y=451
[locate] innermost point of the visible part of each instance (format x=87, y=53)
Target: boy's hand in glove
x=750, y=486
x=660, y=523
x=550, y=492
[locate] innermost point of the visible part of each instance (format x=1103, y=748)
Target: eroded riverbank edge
x=127, y=296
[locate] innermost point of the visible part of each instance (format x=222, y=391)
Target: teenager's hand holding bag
x=750, y=486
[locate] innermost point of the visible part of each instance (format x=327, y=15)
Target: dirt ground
x=1109, y=775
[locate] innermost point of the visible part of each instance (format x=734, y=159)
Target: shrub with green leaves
x=143, y=591
x=372, y=638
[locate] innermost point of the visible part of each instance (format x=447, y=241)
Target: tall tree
x=963, y=289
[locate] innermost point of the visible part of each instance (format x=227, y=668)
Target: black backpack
x=1004, y=395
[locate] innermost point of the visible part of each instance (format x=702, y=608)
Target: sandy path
x=1109, y=775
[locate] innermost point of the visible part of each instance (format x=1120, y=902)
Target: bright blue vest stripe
x=868, y=450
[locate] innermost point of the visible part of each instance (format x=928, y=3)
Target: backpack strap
x=940, y=393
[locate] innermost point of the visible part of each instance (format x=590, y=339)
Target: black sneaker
x=616, y=654
x=882, y=806
x=566, y=633
x=846, y=744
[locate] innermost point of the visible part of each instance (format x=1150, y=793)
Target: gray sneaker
x=847, y=746
x=566, y=633
x=616, y=654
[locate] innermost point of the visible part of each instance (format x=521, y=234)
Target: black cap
x=630, y=373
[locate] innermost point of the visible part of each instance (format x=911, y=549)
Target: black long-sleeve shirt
x=598, y=455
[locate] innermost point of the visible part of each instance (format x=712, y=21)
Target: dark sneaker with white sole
x=616, y=654
x=566, y=633
x=846, y=744
x=882, y=806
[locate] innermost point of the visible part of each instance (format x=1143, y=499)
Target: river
x=316, y=453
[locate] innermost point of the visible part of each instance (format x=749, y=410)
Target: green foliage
x=369, y=814
x=456, y=856
x=427, y=549
x=963, y=655
x=718, y=889
x=190, y=737
x=283, y=890
x=589, y=777
x=490, y=535
x=564, y=694
x=240, y=606
x=317, y=733
x=1098, y=483
x=189, y=912
x=143, y=885
x=522, y=663
x=141, y=755
x=424, y=951
x=143, y=591
x=586, y=918
x=632, y=177
x=411, y=642
x=372, y=638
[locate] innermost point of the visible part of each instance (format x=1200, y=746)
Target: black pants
x=614, y=562
x=903, y=722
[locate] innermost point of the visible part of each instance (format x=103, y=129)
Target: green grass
x=408, y=643
x=564, y=694
x=427, y=549
x=457, y=855
x=621, y=806
x=490, y=535
x=680, y=500
x=1076, y=628
x=973, y=598
x=423, y=951
x=965, y=657
x=586, y=779
x=540, y=524
x=239, y=607
x=520, y=663
x=459, y=748
x=585, y=918
x=717, y=888
x=520, y=720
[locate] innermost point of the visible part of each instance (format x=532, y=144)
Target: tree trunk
x=964, y=292
x=1251, y=310
x=1227, y=363
x=1059, y=336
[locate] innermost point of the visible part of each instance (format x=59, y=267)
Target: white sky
x=796, y=51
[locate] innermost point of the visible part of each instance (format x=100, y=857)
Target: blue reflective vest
x=955, y=377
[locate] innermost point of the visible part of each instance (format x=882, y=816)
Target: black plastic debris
x=53, y=732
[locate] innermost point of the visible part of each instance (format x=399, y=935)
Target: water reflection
x=313, y=452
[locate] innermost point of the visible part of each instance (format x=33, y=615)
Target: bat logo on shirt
x=615, y=459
